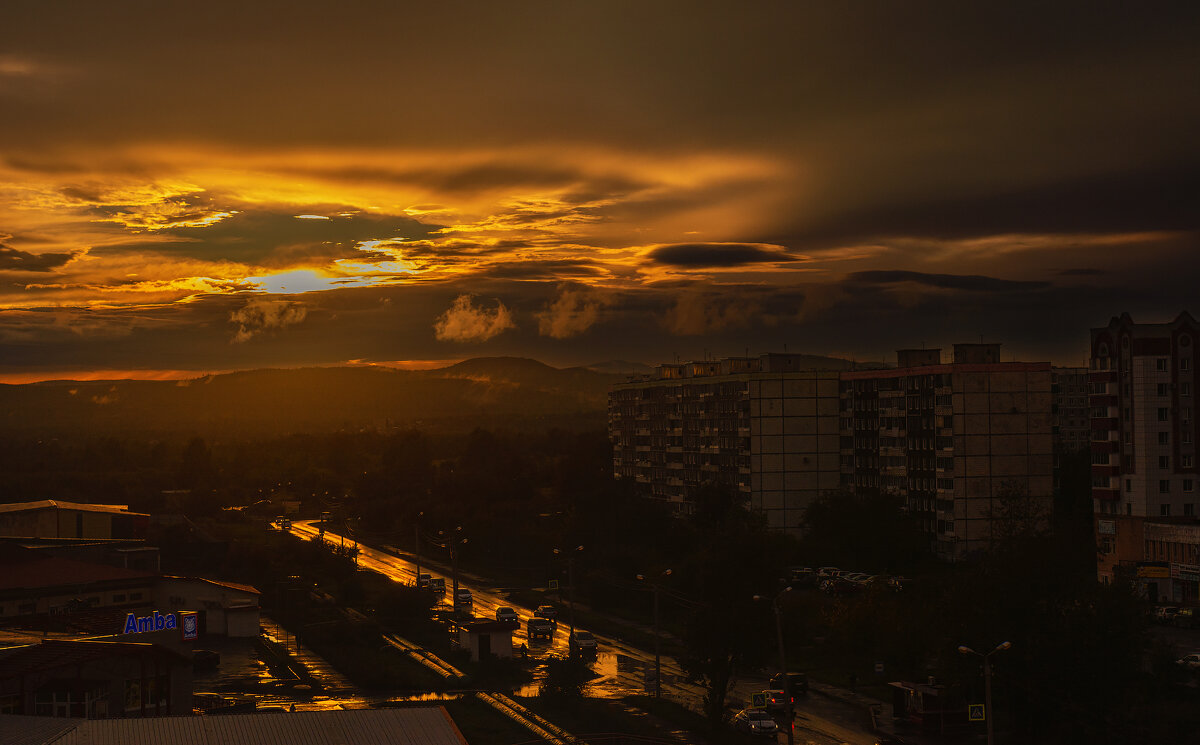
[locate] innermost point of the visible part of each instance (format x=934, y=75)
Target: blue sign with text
x=155, y=622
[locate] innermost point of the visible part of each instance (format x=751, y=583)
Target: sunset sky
x=202, y=187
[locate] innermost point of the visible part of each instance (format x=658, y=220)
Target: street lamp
x=987, y=682
x=417, y=547
x=783, y=671
x=570, y=584
x=452, y=542
x=657, y=657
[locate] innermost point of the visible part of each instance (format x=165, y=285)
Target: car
x=423, y=580
x=755, y=722
x=777, y=700
x=504, y=614
x=437, y=585
x=548, y=612
x=1191, y=661
x=582, y=643
x=803, y=576
x=539, y=628
x=1165, y=614
x=828, y=572
x=797, y=682
x=463, y=599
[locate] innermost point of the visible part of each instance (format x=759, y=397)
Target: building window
x=1164, y=461
x=1187, y=436
x=1164, y=389
x=1164, y=510
x=1164, y=486
x=1163, y=438
x=1187, y=484
x=1189, y=510
x=1129, y=485
x=1129, y=508
x=118, y=598
x=1162, y=414
x=1160, y=364
x=1185, y=389
x=1184, y=363
x=1185, y=461
x=135, y=596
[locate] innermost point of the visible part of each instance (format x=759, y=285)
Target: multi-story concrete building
x=765, y=426
x=1071, y=409
x=951, y=439
x=1144, y=434
x=962, y=443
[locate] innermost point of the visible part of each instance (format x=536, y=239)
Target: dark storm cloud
x=12, y=259
x=549, y=269
x=1165, y=199
x=717, y=254
x=465, y=180
x=973, y=283
x=272, y=238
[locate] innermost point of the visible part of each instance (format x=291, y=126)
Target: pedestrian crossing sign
x=975, y=713
x=758, y=700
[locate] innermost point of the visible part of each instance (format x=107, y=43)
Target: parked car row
x=837, y=581
x=1171, y=615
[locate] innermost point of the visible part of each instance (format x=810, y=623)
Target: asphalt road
x=622, y=669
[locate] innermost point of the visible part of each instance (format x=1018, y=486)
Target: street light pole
x=987, y=683
x=657, y=640
x=417, y=547
x=783, y=671
x=571, y=586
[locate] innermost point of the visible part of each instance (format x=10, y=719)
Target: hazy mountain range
x=495, y=392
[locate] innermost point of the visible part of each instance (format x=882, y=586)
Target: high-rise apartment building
x=953, y=440
x=1144, y=432
x=962, y=443
x=765, y=426
x=1071, y=408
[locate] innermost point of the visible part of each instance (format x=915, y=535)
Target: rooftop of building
x=424, y=725
x=58, y=504
x=55, y=653
x=1125, y=320
x=217, y=582
x=25, y=569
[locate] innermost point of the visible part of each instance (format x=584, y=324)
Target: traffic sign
x=553, y=584
x=758, y=700
x=975, y=713
x=879, y=667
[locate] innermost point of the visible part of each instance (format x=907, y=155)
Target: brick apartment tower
x=1144, y=432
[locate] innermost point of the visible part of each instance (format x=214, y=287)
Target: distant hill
x=491, y=392
x=621, y=367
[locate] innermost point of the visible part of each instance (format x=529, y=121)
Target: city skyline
x=196, y=190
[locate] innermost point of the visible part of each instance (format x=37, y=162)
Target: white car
x=756, y=722
x=1190, y=661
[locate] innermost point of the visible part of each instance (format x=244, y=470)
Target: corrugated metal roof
x=407, y=726
x=217, y=582
x=26, y=573
x=16, y=729
x=58, y=504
